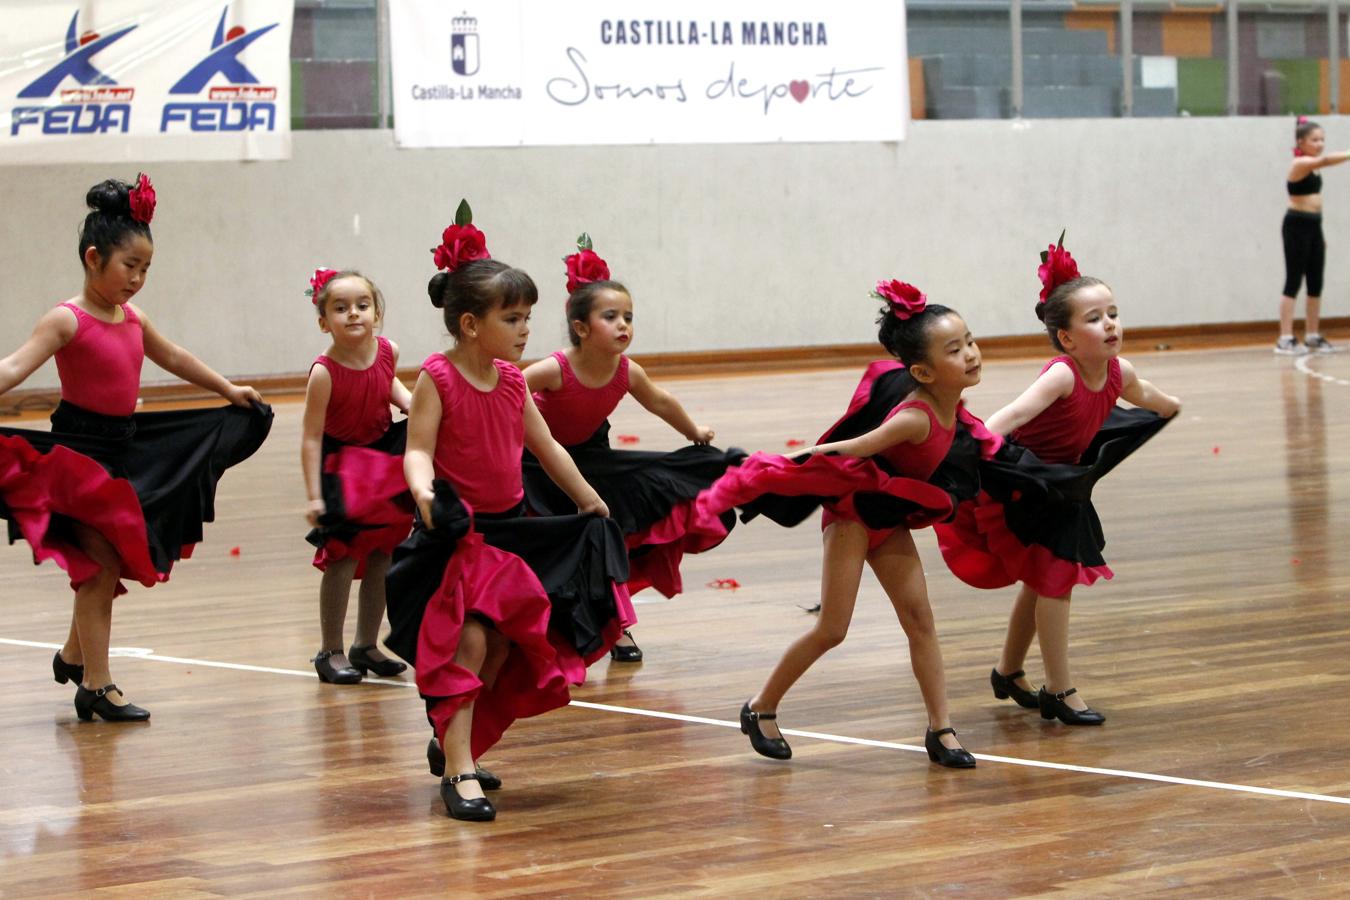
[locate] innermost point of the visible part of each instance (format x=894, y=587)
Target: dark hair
x=1057, y=311
x=321, y=299
x=1304, y=128
x=109, y=224
x=907, y=339
x=477, y=287
x=580, y=302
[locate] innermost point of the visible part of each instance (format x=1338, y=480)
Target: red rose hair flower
x=142, y=198
x=905, y=299
x=461, y=242
x=1057, y=266
x=585, y=266
x=320, y=278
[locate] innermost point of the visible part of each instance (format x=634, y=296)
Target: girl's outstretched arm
x=557, y=464
x=174, y=359
x=1145, y=395
x=424, y=422
x=399, y=395
x=909, y=426
x=1302, y=165
x=661, y=403
x=52, y=332
x=544, y=375
x=317, y=391
x=1053, y=384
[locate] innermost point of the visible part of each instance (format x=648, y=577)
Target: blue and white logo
x=464, y=44
x=242, y=104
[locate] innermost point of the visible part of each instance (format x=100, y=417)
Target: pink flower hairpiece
x=905, y=299
x=461, y=242
x=320, y=278
x=585, y=266
x=1301, y=120
x=142, y=198
x=1057, y=266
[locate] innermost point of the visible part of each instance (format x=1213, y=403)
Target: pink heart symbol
x=799, y=90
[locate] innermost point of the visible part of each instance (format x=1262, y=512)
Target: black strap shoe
x=774, y=748
x=88, y=702
x=65, y=672
x=1005, y=686
x=1054, y=707
x=943, y=755
x=479, y=809
x=330, y=673
x=626, y=652
x=363, y=662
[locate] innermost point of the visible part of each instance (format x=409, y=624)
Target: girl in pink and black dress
x=1035, y=522
x=352, y=456
x=498, y=612
x=576, y=390
x=110, y=493
x=876, y=471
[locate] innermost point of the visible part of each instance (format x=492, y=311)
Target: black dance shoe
x=436, y=765
x=332, y=674
x=63, y=671
x=774, y=748
x=479, y=809
x=624, y=652
x=363, y=662
x=1005, y=686
x=943, y=755
x=88, y=702
x=1054, y=707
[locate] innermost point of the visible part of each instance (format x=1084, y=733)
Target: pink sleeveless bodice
x=919, y=461
x=100, y=369
x=574, y=412
x=358, y=408
x=481, y=436
x=1066, y=427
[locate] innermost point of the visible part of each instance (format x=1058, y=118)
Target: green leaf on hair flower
x=1060, y=245
x=1045, y=257
x=584, y=242
x=463, y=215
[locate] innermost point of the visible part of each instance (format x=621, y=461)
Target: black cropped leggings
x=1305, y=252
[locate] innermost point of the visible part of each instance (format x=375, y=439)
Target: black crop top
x=1308, y=184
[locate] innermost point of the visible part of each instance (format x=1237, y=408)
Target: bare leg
x=472, y=650
x=841, y=572
x=1052, y=625
x=1312, y=315
x=498, y=647
x=1021, y=630
x=900, y=571
x=370, y=611
x=93, y=611
x=333, y=591
x=70, y=651
x=1286, y=316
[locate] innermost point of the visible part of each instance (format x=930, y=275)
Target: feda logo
x=240, y=105
x=98, y=105
x=464, y=44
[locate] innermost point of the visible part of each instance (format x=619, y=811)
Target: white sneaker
x=1318, y=344
x=1289, y=346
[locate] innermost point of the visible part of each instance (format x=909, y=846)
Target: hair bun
x=436, y=289
x=111, y=196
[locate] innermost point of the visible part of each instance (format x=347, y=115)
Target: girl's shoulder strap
x=130, y=313
x=442, y=372
x=569, y=377
x=621, y=373
x=1113, y=377
x=934, y=426
x=511, y=380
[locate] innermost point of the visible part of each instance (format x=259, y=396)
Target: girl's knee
x=827, y=637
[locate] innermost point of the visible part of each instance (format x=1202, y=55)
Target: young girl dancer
x=874, y=467
x=1304, y=246
x=352, y=456
x=109, y=493
x=575, y=391
x=498, y=612
x=1035, y=523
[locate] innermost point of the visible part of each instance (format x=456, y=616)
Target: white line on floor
x=138, y=653
x=1301, y=363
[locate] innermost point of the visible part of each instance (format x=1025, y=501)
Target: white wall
x=722, y=246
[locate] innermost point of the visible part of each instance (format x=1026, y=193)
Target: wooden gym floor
x=1219, y=654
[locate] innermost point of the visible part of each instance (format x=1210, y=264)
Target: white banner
x=508, y=72
x=144, y=80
